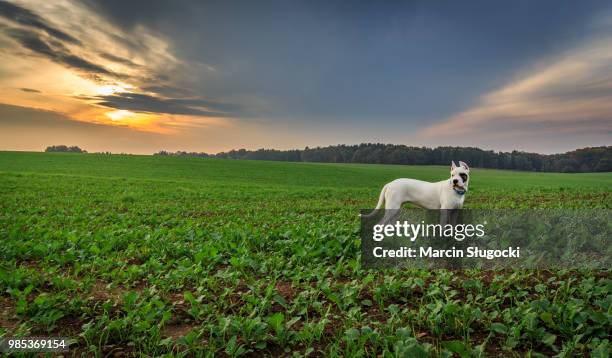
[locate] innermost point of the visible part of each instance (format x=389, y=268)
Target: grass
x=188, y=256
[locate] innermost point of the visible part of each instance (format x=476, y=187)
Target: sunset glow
x=119, y=115
x=108, y=90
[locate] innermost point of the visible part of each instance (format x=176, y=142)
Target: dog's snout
x=455, y=181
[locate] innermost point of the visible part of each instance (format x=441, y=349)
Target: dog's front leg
x=454, y=216
x=449, y=216
x=444, y=216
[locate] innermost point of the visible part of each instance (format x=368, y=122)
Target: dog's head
x=460, y=177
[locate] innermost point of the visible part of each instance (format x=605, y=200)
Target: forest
x=590, y=159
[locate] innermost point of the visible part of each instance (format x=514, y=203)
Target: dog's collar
x=459, y=191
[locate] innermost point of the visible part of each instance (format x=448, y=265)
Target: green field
x=145, y=255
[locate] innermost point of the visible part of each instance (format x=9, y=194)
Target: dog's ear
x=453, y=166
x=465, y=166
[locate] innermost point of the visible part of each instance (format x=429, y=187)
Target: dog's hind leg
x=381, y=201
x=392, y=207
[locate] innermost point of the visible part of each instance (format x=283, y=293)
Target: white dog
x=445, y=194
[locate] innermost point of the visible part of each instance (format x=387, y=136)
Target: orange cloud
x=571, y=93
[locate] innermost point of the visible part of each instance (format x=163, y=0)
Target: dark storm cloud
x=27, y=18
x=31, y=90
x=145, y=103
x=117, y=59
x=54, y=51
x=168, y=91
x=322, y=60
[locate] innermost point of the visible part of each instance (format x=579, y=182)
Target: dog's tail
x=381, y=200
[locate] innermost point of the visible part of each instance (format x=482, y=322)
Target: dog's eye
x=463, y=177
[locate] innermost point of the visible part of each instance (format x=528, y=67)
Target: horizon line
x=303, y=149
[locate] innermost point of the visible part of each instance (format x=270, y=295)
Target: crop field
x=148, y=256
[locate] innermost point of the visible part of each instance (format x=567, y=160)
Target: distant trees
x=182, y=154
x=65, y=149
x=596, y=159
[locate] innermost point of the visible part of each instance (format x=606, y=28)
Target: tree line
x=65, y=149
x=590, y=159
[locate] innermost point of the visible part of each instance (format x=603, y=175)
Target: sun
x=119, y=115
x=135, y=120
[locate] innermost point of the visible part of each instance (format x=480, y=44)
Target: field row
x=206, y=266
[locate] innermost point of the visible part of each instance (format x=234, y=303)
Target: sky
x=144, y=76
